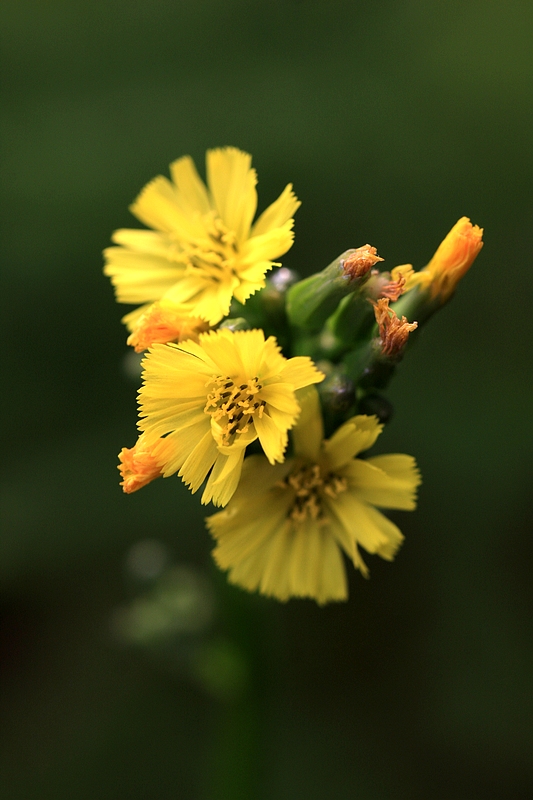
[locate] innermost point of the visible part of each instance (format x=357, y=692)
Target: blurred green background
x=129, y=669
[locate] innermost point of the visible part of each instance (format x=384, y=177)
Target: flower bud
x=453, y=258
x=310, y=302
x=137, y=466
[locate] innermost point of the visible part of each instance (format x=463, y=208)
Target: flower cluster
x=273, y=433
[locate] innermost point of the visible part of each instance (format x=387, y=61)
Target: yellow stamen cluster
x=233, y=407
x=309, y=485
x=214, y=258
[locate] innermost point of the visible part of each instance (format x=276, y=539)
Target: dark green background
x=392, y=119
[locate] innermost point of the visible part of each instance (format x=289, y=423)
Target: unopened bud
x=453, y=258
x=393, y=331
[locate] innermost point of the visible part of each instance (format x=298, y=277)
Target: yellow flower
x=203, y=403
x=452, y=259
x=285, y=528
x=203, y=249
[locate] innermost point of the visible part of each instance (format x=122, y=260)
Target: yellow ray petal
x=232, y=183
x=369, y=527
x=300, y=371
x=158, y=207
x=148, y=242
x=380, y=488
x=355, y=436
x=278, y=213
x=267, y=247
x=224, y=478
x=272, y=440
x=199, y=462
x=191, y=189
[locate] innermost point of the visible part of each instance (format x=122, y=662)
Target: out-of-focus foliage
x=392, y=120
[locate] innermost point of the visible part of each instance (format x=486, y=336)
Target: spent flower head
x=393, y=331
x=360, y=261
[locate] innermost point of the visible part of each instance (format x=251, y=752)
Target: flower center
x=211, y=258
x=309, y=486
x=233, y=407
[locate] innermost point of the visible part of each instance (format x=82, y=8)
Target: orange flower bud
x=453, y=258
x=137, y=466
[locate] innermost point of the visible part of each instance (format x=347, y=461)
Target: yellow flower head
x=453, y=258
x=285, y=528
x=203, y=402
x=203, y=249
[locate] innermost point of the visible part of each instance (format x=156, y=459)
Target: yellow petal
x=139, y=277
x=388, y=488
x=273, y=441
x=158, y=207
x=148, y=242
x=368, y=527
x=219, y=346
x=131, y=319
x=191, y=188
x=232, y=184
x=332, y=583
x=172, y=451
x=278, y=213
x=300, y=371
x=266, y=247
x=355, y=436
x=249, y=349
x=281, y=396
x=224, y=478
x=199, y=462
